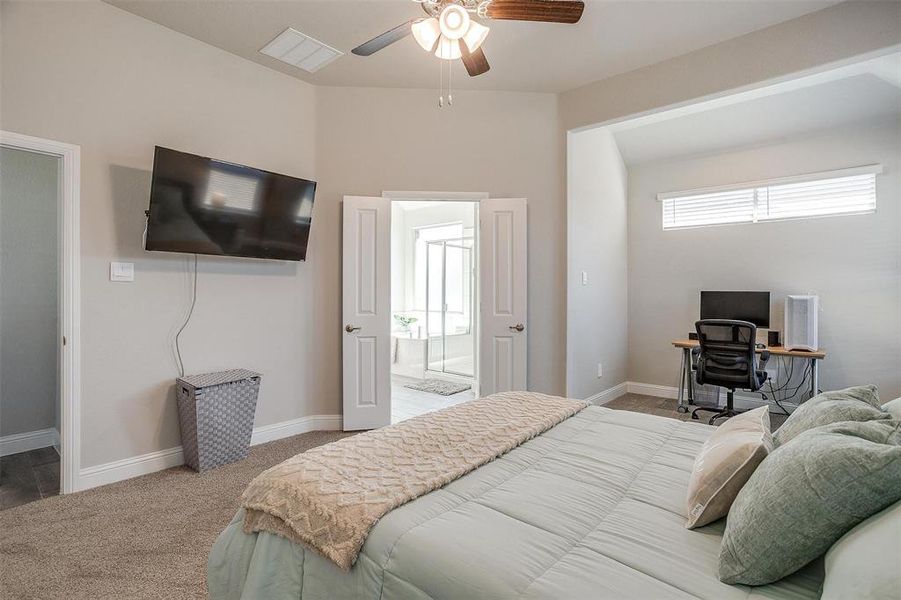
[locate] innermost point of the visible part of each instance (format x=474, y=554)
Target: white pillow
x=865, y=564
x=725, y=463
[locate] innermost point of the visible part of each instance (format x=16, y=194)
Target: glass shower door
x=449, y=301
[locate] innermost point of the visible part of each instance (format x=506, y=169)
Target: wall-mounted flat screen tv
x=201, y=205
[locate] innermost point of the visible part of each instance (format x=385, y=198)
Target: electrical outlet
x=600, y=370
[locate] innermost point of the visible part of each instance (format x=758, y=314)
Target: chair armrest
x=764, y=357
x=695, y=354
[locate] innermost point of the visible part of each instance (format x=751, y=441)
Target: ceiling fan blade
x=475, y=62
x=547, y=11
x=386, y=39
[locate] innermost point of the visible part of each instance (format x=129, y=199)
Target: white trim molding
x=130, y=467
x=608, y=394
x=652, y=389
x=277, y=431
x=152, y=462
x=438, y=196
x=29, y=440
x=70, y=296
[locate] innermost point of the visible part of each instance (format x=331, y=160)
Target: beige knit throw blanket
x=329, y=497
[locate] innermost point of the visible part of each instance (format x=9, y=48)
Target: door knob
x=351, y=328
x=519, y=327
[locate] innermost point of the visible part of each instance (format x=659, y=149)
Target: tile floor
x=406, y=403
x=28, y=476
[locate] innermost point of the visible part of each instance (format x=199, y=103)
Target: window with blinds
x=849, y=191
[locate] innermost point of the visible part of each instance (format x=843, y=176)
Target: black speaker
x=693, y=335
x=772, y=338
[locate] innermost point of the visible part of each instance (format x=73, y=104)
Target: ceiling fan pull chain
x=450, y=78
x=440, y=85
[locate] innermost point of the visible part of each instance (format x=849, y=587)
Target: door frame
x=475, y=197
x=70, y=295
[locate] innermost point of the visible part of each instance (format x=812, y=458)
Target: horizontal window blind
x=736, y=206
x=850, y=191
x=815, y=198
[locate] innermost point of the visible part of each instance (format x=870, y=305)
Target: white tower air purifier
x=801, y=323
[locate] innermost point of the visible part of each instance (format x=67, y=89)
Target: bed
x=591, y=508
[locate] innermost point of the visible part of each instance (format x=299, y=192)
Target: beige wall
x=29, y=306
x=811, y=42
x=505, y=143
x=853, y=262
x=90, y=74
x=597, y=311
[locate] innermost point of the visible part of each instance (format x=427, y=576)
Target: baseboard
x=608, y=394
x=666, y=391
x=129, y=467
x=652, y=389
x=151, y=462
x=277, y=431
x=30, y=440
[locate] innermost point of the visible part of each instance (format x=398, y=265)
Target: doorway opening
x=40, y=375
x=434, y=287
x=29, y=326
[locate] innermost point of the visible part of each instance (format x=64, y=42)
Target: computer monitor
x=742, y=306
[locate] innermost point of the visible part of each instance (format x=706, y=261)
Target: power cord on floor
x=181, y=364
x=787, y=393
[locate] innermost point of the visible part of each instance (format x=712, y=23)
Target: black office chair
x=727, y=358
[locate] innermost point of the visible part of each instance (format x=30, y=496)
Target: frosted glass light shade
x=454, y=21
x=426, y=33
x=448, y=49
x=475, y=36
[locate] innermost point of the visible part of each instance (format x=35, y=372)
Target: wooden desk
x=685, y=381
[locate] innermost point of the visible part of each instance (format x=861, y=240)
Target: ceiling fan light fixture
x=475, y=36
x=448, y=49
x=426, y=33
x=454, y=21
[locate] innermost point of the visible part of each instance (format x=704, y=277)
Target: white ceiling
x=866, y=92
x=613, y=37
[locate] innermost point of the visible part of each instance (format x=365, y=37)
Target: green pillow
x=859, y=403
x=806, y=495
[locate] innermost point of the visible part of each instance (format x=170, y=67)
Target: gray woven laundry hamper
x=216, y=413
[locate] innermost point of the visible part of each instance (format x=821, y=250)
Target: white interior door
x=367, y=307
x=503, y=291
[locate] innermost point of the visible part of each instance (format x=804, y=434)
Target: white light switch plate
x=121, y=271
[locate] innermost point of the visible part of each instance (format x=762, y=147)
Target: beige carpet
x=664, y=407
x=147, y=537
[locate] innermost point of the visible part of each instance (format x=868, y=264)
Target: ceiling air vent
x=299, y=50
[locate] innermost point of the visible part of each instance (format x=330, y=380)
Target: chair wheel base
x=718, y=414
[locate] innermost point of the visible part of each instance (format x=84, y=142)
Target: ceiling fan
x=451, y=32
